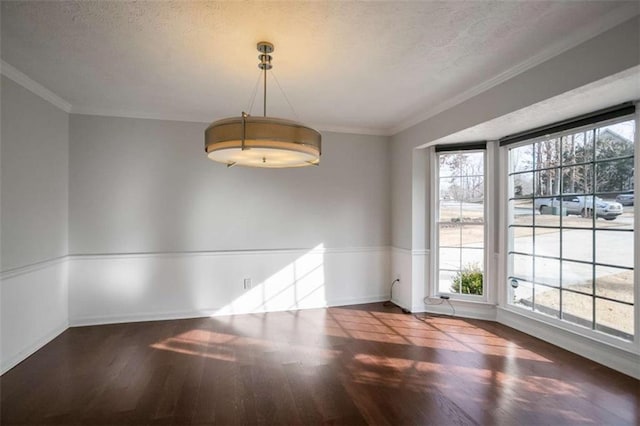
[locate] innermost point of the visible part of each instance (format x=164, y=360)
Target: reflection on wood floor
x=363, y=364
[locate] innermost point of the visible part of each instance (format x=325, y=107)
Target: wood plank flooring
x=354, y=365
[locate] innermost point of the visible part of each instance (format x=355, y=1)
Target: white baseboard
x=138, y=317
x=21, y=355
x=610, y=356
x=164, y=316
x=474, y=310
x=358, y=300
x=401, y=304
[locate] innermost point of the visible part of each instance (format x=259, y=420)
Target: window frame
x=435, y=216
x=505, y=193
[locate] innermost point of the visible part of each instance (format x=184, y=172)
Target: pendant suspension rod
x=264, y=48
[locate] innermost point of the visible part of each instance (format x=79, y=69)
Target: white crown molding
x=603, y=24
x=607, y=22
x=23, y=80
x=353, y=130
x=104, y=112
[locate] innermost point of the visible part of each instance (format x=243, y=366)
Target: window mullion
x=592, y=162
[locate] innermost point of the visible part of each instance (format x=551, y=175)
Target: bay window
x=571, y=225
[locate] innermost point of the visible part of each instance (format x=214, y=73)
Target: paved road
x=614, y=248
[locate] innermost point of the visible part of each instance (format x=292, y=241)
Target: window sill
x=463, y=299
x=580, y=332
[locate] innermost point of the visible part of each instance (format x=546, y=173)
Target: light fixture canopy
x=262, y=141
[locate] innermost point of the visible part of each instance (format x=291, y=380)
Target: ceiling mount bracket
x=264, y=47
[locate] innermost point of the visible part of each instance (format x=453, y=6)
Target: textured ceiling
x=364, y=66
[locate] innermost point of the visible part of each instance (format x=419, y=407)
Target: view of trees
x=578, y=270
x=461, y=222
x=615, y=175
x=612, y=172
x=462, y=177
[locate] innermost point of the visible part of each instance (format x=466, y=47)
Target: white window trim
x=434, y=188
x=504, y=190
x=636, y=218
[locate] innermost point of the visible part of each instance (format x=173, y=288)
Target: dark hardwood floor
x=363, y=364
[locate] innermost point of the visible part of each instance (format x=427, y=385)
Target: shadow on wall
x=146, y=287
x=298, y=285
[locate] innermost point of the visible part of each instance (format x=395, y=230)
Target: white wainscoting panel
x=401, y=268
x=34, y=309
x=139, y=287
x=421, y=276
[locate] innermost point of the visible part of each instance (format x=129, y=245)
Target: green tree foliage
x=469, y=279
x=614, y=175
x=610, y=176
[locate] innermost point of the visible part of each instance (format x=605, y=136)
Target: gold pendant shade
x=262, y=141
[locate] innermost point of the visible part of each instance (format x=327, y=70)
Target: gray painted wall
x=34, y=178
x=142, y=185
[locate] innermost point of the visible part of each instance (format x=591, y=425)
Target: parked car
x=625, y=199
x=580, y=205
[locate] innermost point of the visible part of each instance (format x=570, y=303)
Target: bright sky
x=625, y=129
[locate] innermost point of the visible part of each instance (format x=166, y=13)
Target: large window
x=460, y=223
x=571, y=226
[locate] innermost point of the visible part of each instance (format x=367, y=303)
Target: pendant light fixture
x=262, y=141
